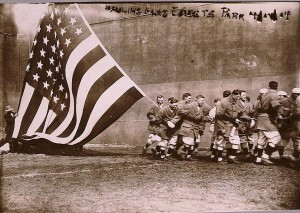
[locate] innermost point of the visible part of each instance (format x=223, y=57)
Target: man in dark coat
x=245, y=129
x=151, y=114
x=9, y=117
x=164, y=132
x=228, y=112
x=266, y=124
x=191, y=116
x=288, y=125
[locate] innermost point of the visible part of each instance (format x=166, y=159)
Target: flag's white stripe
x=88, y=80
x=26, y=97
x=50, y=117
x=78, y=53
x=86, y=83
x=102, y=46
x=104, y=103
x=39, y=116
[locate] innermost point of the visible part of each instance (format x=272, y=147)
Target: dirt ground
x=119, y=179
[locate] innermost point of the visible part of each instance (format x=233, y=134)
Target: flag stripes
x=105, y=101
x=103, y=84
x=40, y=114
x=114, y=113
x=25, y=103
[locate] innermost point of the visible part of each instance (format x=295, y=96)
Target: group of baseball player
x=176, y=129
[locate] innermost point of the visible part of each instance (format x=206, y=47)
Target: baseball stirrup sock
x=269, y=150
x=280, y=151
x=229, y=150
x=170, y=150
x=211, y=147
x=259, y=152
x=245, y=151
x=250, y=145
x=296, y=154
x=220, y=153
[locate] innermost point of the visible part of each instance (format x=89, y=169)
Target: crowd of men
x=177, y=128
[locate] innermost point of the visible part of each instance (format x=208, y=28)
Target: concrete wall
x=173, y=55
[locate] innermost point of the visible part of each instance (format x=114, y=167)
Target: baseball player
x=151, y=114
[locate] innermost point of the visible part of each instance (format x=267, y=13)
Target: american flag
x=73, y=89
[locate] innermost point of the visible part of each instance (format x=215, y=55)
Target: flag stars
x=49, y=73
x=57, y=43
x=61, y=53
x=28, y=67
x=55, y=34
x=67, y=10
x=55, y=99
x=68, y=41
x=39, y=65
x=66, y=95
x=61, y=88
x=36, y=77
x=73, y=20
x=39, y=28
x=42, y=53
x=62, y=106
x=31, y=54
x=56, y=11
x=52, y=15
x=51, y=60
x=45, y=40
x=59, y=21
x=49, y=28
x=63, y=31
x=54, y=81
x=53, y=49
x=78, y=31
x=34, y=42
x=46, y=85
x=51, y=93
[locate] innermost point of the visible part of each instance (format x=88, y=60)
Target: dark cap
x=273, y=85
x=216, y=100
x=226, y=93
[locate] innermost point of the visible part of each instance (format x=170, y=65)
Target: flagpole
x=151, y=100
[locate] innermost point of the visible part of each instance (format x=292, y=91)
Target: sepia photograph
x=149, y=106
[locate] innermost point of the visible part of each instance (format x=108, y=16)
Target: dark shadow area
x=8, y=64
x=42, y=146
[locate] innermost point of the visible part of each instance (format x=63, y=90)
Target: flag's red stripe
x=107, y=80
x=84, y=65
x=30, y=112
x=40, y=129
x=99, y=87
x=114, y=112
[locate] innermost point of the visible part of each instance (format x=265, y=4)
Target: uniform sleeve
x=206, y=110
x=212, y=113
x=158, y=118
x=220, y=113
x=151, y=113
x=220, y=110
x=180, y=114
x=252, y=111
